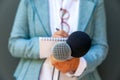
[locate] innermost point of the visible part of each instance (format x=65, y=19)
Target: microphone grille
x=61, y=51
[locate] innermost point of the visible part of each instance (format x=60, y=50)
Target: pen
x=57, y=29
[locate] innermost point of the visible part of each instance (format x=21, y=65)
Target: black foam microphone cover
x=79, y=43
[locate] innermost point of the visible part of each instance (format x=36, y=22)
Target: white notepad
x=46, y=44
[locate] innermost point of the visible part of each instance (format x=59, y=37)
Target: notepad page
x=46, y=44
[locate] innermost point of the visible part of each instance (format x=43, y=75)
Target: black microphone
x=79, y=42
x=77, y=45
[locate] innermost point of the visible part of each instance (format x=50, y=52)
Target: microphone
x=61, y=51
x=79, y=42
x=77, y=45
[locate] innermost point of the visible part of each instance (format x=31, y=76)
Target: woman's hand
x=66, y=66
x=60, y=34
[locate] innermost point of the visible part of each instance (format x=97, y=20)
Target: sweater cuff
x=81, y=67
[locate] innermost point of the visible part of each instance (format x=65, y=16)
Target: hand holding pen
x=60, y=34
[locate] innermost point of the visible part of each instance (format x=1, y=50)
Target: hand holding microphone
x=66, y=65
x=77, y=45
